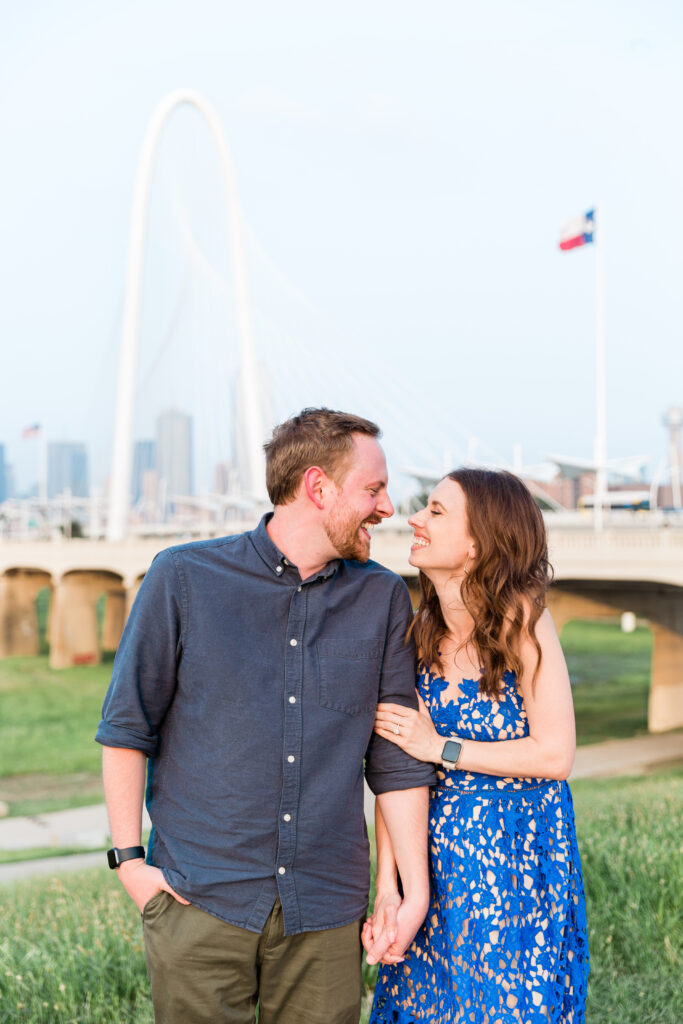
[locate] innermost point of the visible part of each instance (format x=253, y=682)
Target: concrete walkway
x=80, y=827
x=84, y=827
x=627, y=757
x=87, y=827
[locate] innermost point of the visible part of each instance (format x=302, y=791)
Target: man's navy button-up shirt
x=253, y=694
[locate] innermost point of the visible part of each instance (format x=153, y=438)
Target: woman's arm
x=386, y=882
x=395, y=918
x=387, y=896
x=547, y=752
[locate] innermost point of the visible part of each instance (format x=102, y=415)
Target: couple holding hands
x=261, y=675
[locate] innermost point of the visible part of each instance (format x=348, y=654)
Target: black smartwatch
x=450, y=755
x=116, y=856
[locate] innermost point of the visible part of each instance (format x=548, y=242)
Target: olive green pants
x=205, y=971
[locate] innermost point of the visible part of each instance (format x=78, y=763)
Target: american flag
x=31, y=431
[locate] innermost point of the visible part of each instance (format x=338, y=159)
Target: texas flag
x=579, y=231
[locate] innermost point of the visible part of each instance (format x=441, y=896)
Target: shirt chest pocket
x=350, y=673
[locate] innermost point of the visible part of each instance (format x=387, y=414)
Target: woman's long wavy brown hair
x=505, y=589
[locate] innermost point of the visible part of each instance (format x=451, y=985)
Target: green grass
x=71, y=948
x=21, y=808
x=630, y=839
x=71, y=952
x=49, y=717
x=610, y=673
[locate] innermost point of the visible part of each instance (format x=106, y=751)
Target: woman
x=504, y=941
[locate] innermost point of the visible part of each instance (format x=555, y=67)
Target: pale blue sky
x=404, y=173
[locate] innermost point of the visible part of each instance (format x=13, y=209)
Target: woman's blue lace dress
x=504, y=941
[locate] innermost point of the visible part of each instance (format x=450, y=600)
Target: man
x=248, y=674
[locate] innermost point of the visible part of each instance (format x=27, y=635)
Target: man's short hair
x=315, y=437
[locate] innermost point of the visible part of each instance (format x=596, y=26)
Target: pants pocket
x=155, y=905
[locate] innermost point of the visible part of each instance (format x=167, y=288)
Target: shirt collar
x=274, y=558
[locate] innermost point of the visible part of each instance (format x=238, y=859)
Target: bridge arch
x=662, y=605
x=123, y=435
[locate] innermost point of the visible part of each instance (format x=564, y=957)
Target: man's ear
x=315, y=482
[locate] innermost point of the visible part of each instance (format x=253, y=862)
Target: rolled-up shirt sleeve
x=143, y=681
x=387, y=767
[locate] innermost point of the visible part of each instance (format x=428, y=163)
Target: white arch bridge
x=597, y=575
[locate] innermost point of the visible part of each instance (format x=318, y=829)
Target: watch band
x=116, y=856
x=450, y=755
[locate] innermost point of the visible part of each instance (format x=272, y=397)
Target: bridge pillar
x=74, y=636
x=74, y=628
x=665, y=709
x=19, y=634
x=114, y=618
x=132, y=588
x=662, y=606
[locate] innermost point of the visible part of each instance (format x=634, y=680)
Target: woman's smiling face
x=441, y=531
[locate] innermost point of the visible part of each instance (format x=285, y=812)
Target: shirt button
x=291, y=759
x=286, y=817
x=293, y=642
x=280, y=871
x=292, y=700
x=278, y=569
x=298, y=590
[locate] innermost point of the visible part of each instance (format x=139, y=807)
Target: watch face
x=451, y=751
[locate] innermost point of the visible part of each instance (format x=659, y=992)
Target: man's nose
x=384, y=506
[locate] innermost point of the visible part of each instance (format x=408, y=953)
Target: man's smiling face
x=361, y=500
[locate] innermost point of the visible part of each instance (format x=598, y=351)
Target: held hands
x=416, y=733
x=393, y=926
x=380, y=930
x=142, y=881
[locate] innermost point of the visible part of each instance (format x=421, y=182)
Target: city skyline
x=164, y=465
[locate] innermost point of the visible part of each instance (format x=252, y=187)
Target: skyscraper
x=174, y=461
x=144, y=459
x=67, y=468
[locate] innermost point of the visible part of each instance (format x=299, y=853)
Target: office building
x=144, y=460
x=174, y=457
x=67, y=469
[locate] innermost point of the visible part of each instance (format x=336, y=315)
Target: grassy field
x=610, y=673
x=48, y=759
x=71, y=950
x=630, y=840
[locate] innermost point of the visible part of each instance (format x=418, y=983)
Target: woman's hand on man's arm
x=416, y=733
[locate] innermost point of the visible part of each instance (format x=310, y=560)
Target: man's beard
x=343, y=532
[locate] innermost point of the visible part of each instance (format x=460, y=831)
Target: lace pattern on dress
x=505, y=938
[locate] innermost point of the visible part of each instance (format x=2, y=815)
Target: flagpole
x=600, y=443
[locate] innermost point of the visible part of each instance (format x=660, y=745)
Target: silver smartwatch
x=450, y=755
